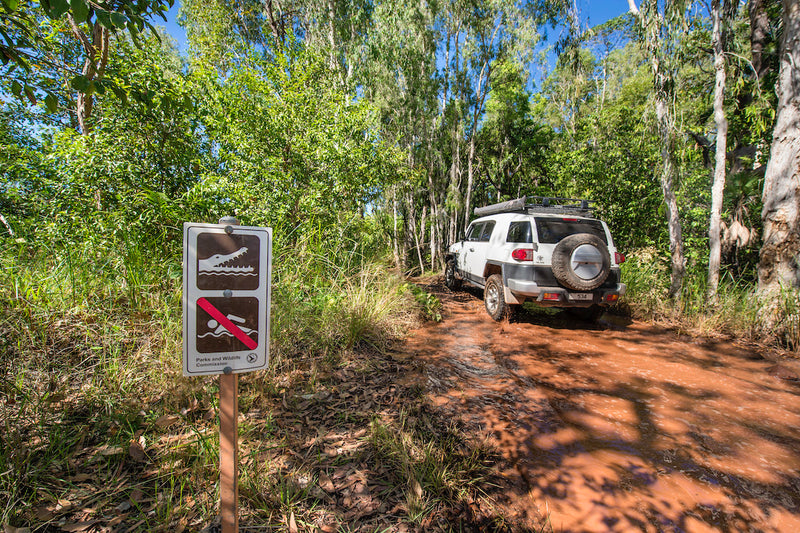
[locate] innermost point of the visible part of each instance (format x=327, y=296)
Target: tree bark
x=721, y=122
x=481, y=90
x=420, y=239
x=652, y=22
x=759, y=35
x=668, y=189
x=395, y=236
x=94, y=66
x=778, y=268
x=434, y=223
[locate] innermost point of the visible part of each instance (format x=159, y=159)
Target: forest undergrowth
x=101, y=432
x=734, y=313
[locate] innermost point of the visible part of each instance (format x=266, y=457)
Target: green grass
x=90, y=376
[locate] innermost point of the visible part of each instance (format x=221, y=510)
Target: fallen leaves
x=136, y=450
x=306, y=452
x=166, y=421
x=78, y=526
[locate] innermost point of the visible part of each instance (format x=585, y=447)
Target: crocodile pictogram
x=216, y=264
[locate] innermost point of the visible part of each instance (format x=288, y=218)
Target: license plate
x=581, y=296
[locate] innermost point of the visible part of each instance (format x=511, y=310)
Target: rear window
x=552, y=230
x=519, y=232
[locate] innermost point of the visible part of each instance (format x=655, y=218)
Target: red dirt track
x=619, y=426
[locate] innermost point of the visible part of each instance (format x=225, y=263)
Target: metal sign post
x=226, y=304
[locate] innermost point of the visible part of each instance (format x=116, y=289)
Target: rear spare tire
x=581, y=262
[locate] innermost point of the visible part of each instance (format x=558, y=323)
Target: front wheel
x=494, y=299
x=450, y=279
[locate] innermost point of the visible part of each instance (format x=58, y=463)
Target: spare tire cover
x=581, y=262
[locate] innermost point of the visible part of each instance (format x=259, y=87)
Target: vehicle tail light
x=611, y=298
x=523, y=254
x=551, y=296
x=619, y=258
x=569, y=219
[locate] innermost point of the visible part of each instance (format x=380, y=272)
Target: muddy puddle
x=619, y=426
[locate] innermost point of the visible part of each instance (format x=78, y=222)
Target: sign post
x=226, y=303
x=228, y=451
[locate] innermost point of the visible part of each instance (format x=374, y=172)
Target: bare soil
x=619, y=425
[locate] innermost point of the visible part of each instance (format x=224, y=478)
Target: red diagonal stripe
x=227, y=324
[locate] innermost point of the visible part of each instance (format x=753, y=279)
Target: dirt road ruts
x=619, y=426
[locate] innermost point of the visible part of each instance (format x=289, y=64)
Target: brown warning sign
x=228, y=261
x=226, y=298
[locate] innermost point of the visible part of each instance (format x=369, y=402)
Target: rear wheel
x=494, y=299
x=450, y=279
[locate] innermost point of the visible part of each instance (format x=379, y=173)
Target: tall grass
x=736, y=311
x=327, y=300
x=90, y=361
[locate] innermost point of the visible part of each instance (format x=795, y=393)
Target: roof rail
x=539, y=204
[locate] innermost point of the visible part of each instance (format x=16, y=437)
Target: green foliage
x=428, y=302
x=609, y=154
x=40, y=48
x=294, y=152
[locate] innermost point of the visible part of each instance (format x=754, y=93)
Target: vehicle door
x=476, y=250
x=472, y=236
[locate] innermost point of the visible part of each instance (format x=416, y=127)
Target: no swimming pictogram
x=217, y=327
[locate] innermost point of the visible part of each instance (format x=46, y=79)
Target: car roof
x=528, y=216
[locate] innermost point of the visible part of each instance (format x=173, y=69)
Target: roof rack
x=540, y=204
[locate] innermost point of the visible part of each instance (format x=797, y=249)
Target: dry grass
x=102, y=433
x=737, y=313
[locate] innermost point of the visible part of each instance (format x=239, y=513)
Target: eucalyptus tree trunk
x=481, y=90
x=652, y=21
x=434, y=223
x=477, y=111
x=395, y=237
x=779, y=268
x=421, y=238
x=668, y=173
x=721, y=122
x=759, y=37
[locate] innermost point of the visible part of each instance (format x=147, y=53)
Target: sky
x=173, y=28
x=598, y=12
x=592, y=13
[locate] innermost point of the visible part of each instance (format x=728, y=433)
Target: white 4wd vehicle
x=551, y=251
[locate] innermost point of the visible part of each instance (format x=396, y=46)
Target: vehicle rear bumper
x=521, y=290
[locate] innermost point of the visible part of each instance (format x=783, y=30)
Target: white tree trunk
x=668, y=189
x=395, y=237
x=652, y=24
x=470, y=174
x=718, y=185
x=780, y=252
